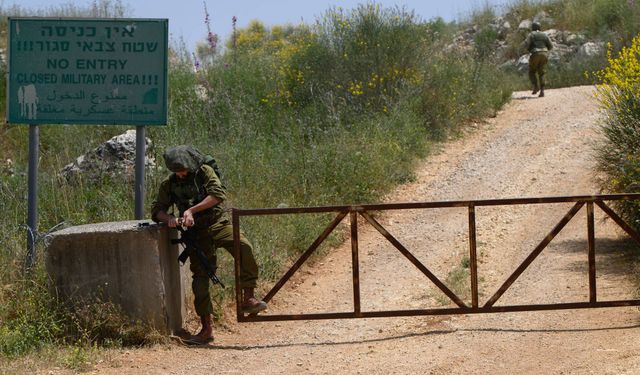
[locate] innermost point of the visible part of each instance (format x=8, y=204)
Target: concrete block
x=128, y=264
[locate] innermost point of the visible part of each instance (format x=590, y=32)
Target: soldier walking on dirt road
x=538, y=45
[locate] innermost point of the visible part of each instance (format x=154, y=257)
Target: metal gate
x=462, y=307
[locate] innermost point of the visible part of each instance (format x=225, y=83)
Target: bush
x=618, y=157
x=30, y=316
x=33, y=318
x=103, y=323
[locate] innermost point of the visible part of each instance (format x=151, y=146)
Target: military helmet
x=535, y=26
x=183, y=157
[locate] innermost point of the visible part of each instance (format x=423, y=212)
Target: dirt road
x=533, y=148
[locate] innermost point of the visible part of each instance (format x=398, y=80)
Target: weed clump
x=618, y=156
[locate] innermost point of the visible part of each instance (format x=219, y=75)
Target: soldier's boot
x=535, y=89
x=206, y=332
x=541, y=92
x=250, y=304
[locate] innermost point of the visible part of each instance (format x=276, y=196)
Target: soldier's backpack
x=210, y=161
x=206, y=159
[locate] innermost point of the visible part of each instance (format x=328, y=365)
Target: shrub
x=618, y=156
x=30, y=316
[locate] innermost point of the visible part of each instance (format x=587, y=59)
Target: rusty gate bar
x=589, y=200
x=534, y=254
x=473, y=258
x=355, y=268
x=619, y=221
x=413, y=259
x=441, y=204
x=592, y=253
x=442, y=311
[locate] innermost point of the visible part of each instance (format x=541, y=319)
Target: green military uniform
x=213, y=229
x=538, y=45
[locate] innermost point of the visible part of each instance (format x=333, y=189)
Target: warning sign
x=87, y=71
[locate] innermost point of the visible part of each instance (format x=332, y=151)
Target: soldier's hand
x=187, y=219
x=172, y=222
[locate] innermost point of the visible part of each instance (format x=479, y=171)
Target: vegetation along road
x=535, y=147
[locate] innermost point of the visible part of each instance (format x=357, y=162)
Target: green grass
x=458, y=280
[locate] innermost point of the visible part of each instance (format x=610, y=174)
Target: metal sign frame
x=87, y=71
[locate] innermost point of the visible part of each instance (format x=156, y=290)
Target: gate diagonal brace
x=413, y=259
x=303, y=258
x=626, y=227
x=534, y=254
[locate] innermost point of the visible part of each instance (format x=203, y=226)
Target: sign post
x=139, y=181
x=32, y=199
x=86, y=71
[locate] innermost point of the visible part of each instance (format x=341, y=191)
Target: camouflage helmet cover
x=183, y=158
x=535, y=26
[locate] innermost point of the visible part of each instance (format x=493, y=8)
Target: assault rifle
x=188, y=240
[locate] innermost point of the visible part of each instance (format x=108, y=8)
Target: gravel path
x=533, y=148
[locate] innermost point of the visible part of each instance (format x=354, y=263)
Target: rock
x=201, y=92
x=114, y=159
x=574, y=39
x=509, y=64
x=501, y=27
x=8, y=168
x=561, y=52
x=502, y=50
x=544, y=19
x=523, y=62
x=567, y=45
x=554, y=35
x=590, y=50
x=525, y=25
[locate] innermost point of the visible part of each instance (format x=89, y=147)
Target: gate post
x=592, y=253
x=473, y=255
x=354, y=260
